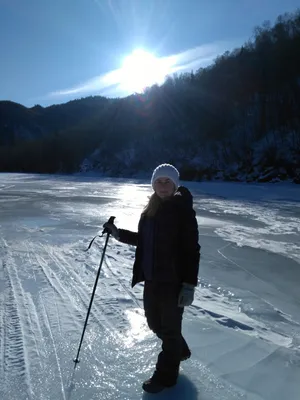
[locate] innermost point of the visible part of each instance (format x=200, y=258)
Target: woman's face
x=164, y=187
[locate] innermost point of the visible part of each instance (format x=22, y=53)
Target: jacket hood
x=184, y=196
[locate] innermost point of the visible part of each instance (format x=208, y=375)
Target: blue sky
x=52, y=51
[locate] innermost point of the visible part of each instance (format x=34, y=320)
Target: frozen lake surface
x=243, y=328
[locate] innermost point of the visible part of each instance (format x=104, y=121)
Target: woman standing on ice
x=167, y=259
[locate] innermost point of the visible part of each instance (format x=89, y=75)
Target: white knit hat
x=166, y=171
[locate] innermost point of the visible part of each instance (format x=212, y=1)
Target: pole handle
x=110, y=221
x=105, y=230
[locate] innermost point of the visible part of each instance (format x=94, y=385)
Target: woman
x=167, y=260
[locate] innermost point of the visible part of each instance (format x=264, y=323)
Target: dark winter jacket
x=176, y=252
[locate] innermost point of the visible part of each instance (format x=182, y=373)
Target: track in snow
x=47, y=293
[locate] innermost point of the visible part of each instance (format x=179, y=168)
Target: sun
x=141, y=69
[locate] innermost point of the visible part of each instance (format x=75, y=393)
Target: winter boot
x=152, y=386
x=156, y=385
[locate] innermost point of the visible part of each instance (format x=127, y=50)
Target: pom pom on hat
x=166, y=171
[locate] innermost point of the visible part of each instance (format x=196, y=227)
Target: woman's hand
x=186, y=295
x=112, y=230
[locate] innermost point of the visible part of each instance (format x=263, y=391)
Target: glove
x=186, y=295
x=112, y=230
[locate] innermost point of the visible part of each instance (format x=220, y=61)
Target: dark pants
x=164, y=318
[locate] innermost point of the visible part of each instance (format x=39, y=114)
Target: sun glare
x=142, y=69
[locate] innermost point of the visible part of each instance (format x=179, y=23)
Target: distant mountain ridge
x=18, y=122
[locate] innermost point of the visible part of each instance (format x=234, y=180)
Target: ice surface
x=243, y=328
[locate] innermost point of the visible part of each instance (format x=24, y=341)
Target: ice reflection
x=136, y=195
x=132, y=200
x=138, y=329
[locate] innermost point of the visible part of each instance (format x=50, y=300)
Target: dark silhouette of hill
x=21, y=123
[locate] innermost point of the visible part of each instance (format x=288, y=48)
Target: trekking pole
x=110, y=221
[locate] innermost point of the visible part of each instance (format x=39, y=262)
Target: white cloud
x=187, y=60
x=93, y=85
